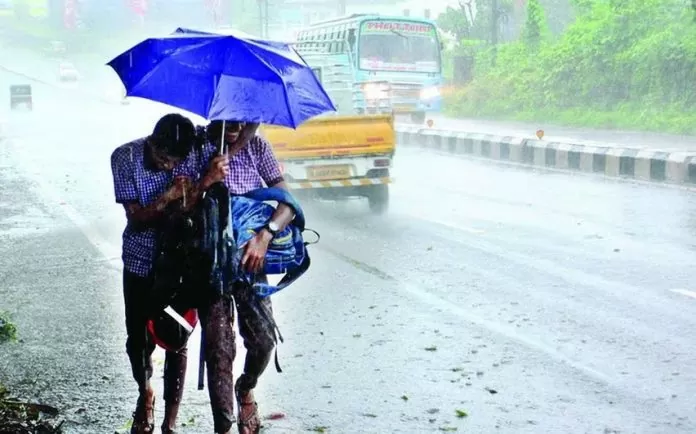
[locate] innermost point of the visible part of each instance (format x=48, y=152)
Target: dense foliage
x=8, y=331
x=621, y=63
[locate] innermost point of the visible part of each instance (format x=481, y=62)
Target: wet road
x=536, y=302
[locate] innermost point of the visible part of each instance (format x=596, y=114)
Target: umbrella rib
x=316, y=80
x=282, y=82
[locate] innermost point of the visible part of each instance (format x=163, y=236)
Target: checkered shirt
x=134, y=183
x=253, y=166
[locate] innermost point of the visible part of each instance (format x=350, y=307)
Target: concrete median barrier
x=646, y=164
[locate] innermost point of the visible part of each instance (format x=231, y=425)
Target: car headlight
x=374, y=91
x=429, y=92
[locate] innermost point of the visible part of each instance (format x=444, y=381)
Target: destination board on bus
x=372, y=27
x=398, y=45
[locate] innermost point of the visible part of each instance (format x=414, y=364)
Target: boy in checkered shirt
x=144, y=172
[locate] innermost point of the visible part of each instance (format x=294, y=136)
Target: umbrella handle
x=222, y=139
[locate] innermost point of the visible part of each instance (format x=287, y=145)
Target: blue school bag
x=287, y=253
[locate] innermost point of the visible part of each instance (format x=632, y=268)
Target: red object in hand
x=191, y=317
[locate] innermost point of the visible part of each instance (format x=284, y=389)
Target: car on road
x=67, y=72
x=58, y=47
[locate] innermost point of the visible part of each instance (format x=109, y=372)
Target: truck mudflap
x=337, y=183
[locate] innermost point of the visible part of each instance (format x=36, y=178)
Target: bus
x=371, y=64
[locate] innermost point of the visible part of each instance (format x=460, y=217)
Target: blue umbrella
x=224, y=77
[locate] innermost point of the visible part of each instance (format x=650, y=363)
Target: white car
x=58, y=47
x=68, y=72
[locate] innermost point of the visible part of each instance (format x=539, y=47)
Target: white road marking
x=685, y=292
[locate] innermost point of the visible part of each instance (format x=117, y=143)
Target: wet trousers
x=217, y=320
x=139, y=344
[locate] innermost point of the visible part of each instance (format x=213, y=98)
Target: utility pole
x=263, y=18
x=495, y=13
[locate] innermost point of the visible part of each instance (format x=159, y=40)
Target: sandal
x=144, y=418
x=248, y=414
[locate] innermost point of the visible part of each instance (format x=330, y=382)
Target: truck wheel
x=418, y=117
x=378, y=198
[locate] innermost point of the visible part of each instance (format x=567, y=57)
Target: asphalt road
x=536, y=302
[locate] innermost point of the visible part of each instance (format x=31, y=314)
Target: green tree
x=458, y=20
x=455, y=21
x=464, y=24
x=535, y=27
x=624, y=63
x=559, y=14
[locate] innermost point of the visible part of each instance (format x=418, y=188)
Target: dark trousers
x=139, y=344
x=217, y=320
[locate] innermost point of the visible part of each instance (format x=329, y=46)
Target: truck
x=350, y=152
x=340, y=156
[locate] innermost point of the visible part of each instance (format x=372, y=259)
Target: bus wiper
x=398, y=34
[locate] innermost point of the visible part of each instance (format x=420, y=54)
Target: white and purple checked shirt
x=253, y=166
x=134, y=183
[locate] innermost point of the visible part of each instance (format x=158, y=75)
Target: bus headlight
x=429, y=92
x=375, y=91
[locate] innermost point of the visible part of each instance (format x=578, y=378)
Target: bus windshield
x=399, y=46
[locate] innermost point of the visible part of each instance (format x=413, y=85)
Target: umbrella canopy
x=224, y=77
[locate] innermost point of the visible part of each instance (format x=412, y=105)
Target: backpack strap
x=201, y=361
x=276, y=333
x=265, y=289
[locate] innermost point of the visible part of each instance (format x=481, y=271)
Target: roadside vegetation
x=626, y=64
x=8, y=331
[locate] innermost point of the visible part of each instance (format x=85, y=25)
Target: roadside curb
x=643, y=164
